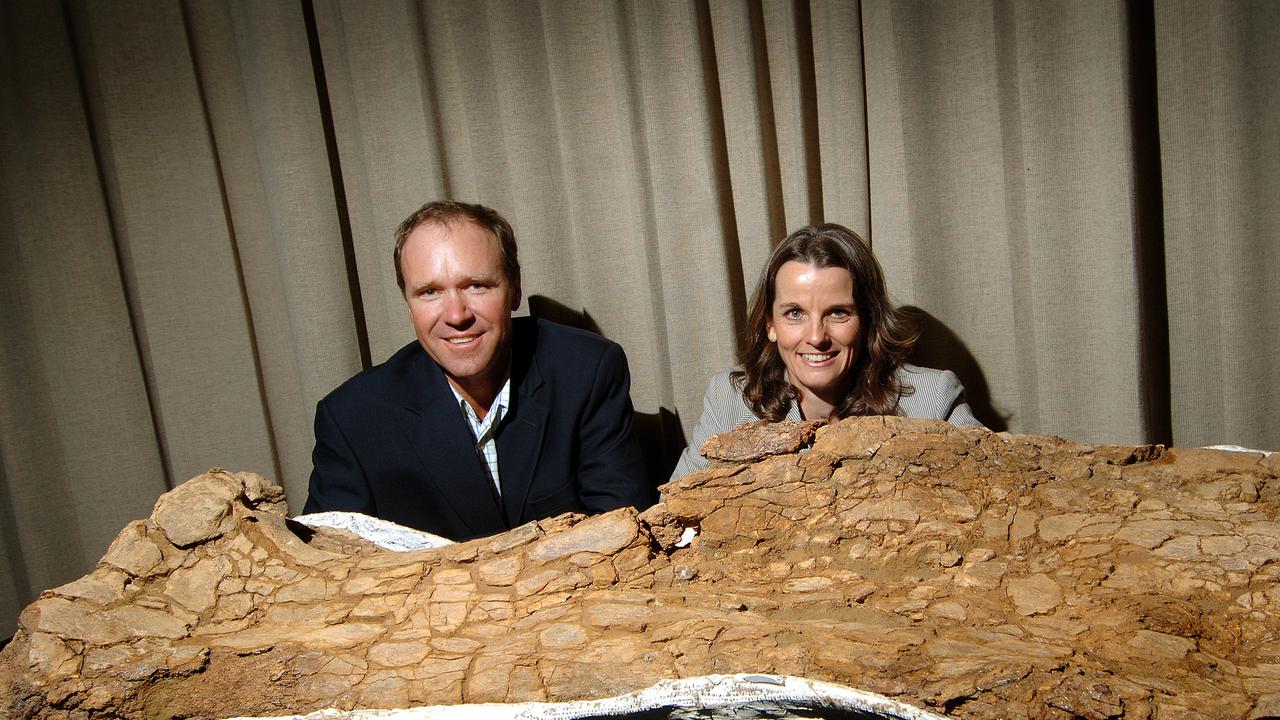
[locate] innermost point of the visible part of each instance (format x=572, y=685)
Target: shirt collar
x=496, y=411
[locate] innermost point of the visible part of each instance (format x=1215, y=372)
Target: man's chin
x=468, y=364
x=462, y=372
x=455, y=365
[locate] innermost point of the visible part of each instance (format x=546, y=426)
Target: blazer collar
x=440, y=438
x=520, y=435
x=442, y=441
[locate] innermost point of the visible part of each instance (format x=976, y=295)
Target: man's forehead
x=457, y=223
x=457, y=230
x=466, y=247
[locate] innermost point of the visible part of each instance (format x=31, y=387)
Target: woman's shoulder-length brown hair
x=887, y=334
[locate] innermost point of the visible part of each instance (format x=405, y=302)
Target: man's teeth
x=460, y=340
x=817, y=357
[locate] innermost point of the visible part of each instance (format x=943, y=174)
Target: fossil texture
x=969, y=573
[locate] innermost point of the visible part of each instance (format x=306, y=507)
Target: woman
x=824, y=342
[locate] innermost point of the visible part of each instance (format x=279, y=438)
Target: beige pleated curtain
x=1079, y=198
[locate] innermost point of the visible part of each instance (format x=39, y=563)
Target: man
x=485, y=422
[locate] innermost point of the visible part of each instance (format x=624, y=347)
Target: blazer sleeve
x=611, y=470
x=337, y=480
x=938, y=395
x=961, y=413
x=722, y=410
x=958, y=411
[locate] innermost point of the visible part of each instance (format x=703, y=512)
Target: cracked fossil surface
x=968, y=573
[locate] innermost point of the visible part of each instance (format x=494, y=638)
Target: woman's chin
x=826, y=388
x=819, y=380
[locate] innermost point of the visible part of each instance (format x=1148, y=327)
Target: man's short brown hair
x=444, y=212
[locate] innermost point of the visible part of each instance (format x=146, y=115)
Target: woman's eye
x=793, y=314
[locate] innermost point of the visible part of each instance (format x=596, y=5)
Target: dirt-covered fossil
x=970, y=573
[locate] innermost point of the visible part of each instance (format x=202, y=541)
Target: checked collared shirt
x=484, y=432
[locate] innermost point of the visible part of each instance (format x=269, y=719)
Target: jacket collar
x=445, y=449
x=520, y=436
x=439, y=436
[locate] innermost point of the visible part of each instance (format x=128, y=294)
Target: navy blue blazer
x=391, y=442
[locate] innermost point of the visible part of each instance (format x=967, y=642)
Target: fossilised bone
x=758, y=439
x=978, y=574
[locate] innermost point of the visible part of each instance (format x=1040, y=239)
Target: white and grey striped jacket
x=938, y=395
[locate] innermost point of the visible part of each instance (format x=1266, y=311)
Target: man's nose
x=456, y=309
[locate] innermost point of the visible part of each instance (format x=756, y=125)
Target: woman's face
x=816, y=327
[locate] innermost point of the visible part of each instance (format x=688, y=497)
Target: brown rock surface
x=978, y=574
x=758, y=439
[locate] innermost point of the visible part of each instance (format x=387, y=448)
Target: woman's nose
x=817, y=334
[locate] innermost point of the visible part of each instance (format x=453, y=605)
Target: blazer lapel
x=443, y=444
x=520, y=437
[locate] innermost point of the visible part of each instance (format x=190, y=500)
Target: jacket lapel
x=520, y=436
x=442, y=442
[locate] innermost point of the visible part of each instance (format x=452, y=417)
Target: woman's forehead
x=799, y=279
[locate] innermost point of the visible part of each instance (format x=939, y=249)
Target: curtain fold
x=181, y=268
x=269, y=151
x=1005, y=214
x=1219, y=108
x=841, y=114
x=199, y=199
x=79, y=452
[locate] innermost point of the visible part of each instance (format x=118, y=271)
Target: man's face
x=460, y=301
